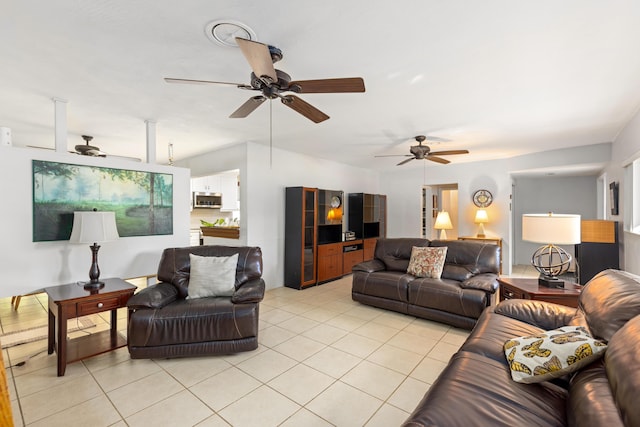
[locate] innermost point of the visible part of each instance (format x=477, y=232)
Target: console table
x=73, y=300
x=511, y=288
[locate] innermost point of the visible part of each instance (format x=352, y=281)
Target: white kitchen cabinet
x=206, y=184
x=229, y=190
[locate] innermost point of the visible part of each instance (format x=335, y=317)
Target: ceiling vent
x=224, y=32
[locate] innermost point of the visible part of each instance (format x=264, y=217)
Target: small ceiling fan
x=87, y=149
x=275, y=83
x=423, y=152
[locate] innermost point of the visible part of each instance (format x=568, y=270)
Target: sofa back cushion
x=607, y=302
x=396, y=253
x=621, y=363
x=466, y=259
x=175, y=266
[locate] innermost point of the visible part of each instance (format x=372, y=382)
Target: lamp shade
x=481, y=217
x=93, y=227
x=559, y=229
x=443, y=221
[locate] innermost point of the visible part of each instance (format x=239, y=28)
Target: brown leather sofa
x=163, y=323
x=467, y=286
x=476, y=389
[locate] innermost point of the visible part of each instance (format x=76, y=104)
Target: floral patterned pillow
x=427, y=262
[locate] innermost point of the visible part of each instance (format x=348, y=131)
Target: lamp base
x=91, y=286
x=550, y=282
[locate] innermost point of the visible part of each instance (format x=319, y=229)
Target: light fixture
x=551, y=229
x=481, y=218
x=94, y=227
x=225, y=31
x=443, y=222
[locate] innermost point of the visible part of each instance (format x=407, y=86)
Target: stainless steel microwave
x=207, y=200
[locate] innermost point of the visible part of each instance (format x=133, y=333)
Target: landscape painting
x=142, y=201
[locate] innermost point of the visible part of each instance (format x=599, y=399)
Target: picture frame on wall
x=614, y=195
x=142, y=201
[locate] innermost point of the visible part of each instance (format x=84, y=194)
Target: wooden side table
x=72, y=300
x=511, y=288
x=492, y=240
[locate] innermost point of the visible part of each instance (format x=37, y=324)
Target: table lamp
x=94, y=227
x=551, y=229
x=443, y=222
x=481, y=218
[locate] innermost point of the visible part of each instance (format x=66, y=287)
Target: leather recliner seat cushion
x=447, y=295
x=194, y=321
x=476, y=391
x=387, y=284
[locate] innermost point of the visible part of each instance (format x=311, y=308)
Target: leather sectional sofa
x=476, y=388
x=467, y=286
x=163, y=323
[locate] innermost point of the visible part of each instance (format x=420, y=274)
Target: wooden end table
x=73, y=300
x=511, y=288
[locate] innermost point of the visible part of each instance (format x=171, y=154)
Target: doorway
x=436, y=198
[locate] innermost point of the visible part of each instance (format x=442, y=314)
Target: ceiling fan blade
x=394, y=155
x=248, y=107
x=258, y=57
x=405, y=161
x=204, y=82
x=304, y=108
x=437, y=159
x=350, y=84
x=448, y=153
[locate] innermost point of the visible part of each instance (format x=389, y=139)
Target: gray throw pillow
x=212, y=276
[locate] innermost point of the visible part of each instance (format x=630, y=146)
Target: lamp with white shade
x=481, y=218
x=443, y=222
x=94, y=227
x=551, y=229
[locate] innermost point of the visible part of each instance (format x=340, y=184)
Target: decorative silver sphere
x=551, y=261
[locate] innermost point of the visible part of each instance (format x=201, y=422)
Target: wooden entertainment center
x=316, y=250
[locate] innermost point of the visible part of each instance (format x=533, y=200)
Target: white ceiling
x=497, y=77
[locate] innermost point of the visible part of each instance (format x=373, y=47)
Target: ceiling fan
x=423, y=152
x=275, y=83
x=93, y=151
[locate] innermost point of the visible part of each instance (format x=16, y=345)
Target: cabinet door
x=229, y=190
x=329, y=261
x=350, y=259
x=309, y=236
x=369, y=249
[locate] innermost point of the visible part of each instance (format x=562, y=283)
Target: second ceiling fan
x=423, y=152
x=275, y=83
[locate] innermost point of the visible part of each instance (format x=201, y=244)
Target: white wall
x=626, y=145
x=560, y=195
x=266, y=197
x=402, y=187
x=28, y=266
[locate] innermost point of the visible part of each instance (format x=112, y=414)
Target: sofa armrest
x=487, y=282
x=545, y=315
x=154, y=296
x=251, y=291
x=369, y=266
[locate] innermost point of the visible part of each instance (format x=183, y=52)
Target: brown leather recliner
x=163, y=323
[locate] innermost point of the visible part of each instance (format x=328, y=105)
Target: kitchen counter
x=228, y=232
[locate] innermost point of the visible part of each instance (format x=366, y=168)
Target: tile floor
x=323, y=360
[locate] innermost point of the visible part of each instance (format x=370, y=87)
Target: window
x=632, y=197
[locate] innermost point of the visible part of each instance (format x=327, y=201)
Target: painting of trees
x=142, y=201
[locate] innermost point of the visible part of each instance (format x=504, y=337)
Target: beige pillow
x=427, y=261
x=212, y=276
x=551, y=354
